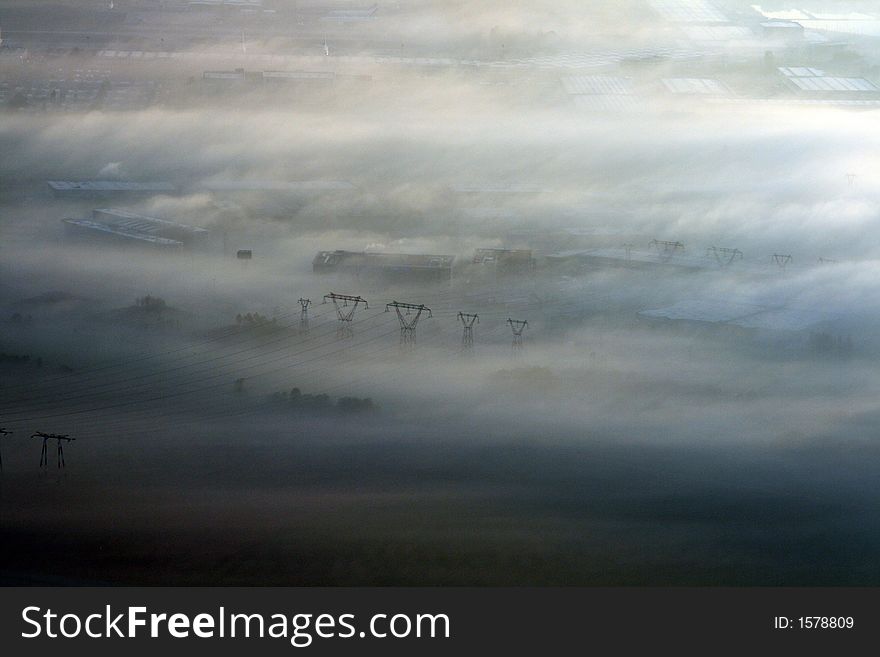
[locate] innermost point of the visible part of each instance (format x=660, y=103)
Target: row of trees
x=296, y=399
x=254, y=319
x=151, y=304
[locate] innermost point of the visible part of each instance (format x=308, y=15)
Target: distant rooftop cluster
x=814, y=79
x=413, y=267
x=133, y=227
x=100, y=186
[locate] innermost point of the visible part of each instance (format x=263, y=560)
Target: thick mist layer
x=672, y=376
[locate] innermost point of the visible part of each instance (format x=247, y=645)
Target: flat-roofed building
x=299, y=76
x=107, y=188
x=505, y=261
x=390, y=266
x=602, y=93
x=815, y=82
x=220, y=77
x=189, y=235
x=124, y=225
x=695, y=87
x=89, y=228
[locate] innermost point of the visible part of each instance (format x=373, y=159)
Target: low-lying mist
x=652, y=426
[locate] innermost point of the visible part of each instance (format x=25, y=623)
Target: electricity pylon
x=345, y=312
x=304, y=315
x=467, y=336
x=724, y=256
x=781, y=259
x=517, y=326
x=667, y=249
x=3, y=432
x=408, y=320
x=44, y=454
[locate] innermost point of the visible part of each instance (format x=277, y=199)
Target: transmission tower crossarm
x=52, y=436
x=407, y=325
x=468, y=319
x=398, y=305
x=333, y=296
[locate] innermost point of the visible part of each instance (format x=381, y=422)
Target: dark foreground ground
x=359, y=506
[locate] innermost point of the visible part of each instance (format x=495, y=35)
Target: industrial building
x=107, y=188
x=816, y=83
x=236, y=75
x=314, y=77
x=603, y=93
x=695, y=87
x=505, y=261
x=386, y=266
x=137, y=228
x=666, y=257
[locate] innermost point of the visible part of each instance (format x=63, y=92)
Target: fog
x=694, y=399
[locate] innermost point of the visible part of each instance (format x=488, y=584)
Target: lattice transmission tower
x=467, y=337
x=409, y=315
x=345, y=305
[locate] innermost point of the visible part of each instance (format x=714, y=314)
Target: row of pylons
x=408, y=315
x=59, y=439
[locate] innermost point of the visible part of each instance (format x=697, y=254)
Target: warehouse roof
x=109, y=186
x=814, y=79
x=368, y=259
x=123, y=232
x=140, y=222
x=696, y=86
x=299, y=75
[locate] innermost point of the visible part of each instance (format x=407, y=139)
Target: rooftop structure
x=695, y=86
x=505, y=261
x=783, y=29
x=149, y=225
x=84, y=226
x=108, y=187
x=407, y=266
x=602, y=93
x=288, y=76
x=111, y=222
x=351, y=15
x=808, y=79
x=237, y=74
x=632, y=258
